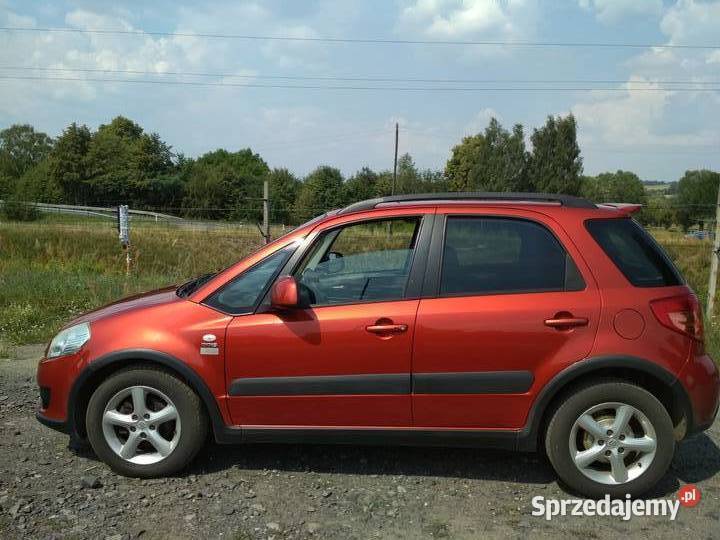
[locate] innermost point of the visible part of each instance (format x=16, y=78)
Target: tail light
x=680, y=313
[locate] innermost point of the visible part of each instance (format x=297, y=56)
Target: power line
x=347, y=87
x=350, y=79
x=377, y=41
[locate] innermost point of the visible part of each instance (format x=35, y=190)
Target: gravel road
x=273, y=491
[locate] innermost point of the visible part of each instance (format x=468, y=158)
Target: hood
x=131, y=303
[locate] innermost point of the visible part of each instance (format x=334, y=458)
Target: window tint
x=641, y=260
x=242, y=294
x=501, y=255
x=361, y=262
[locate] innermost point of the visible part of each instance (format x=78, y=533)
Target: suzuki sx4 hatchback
x=514, y=321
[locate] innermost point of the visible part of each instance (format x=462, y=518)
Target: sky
x=651, y=117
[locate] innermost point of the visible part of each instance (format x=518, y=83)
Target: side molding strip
x=391, y=383
x=478, y=382
x=482, y=382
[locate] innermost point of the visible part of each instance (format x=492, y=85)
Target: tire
x=580, y=429
x=155, y=450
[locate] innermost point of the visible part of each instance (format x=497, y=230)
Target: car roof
x=516, y=199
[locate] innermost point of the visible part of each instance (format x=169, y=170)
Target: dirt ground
x=274, y=491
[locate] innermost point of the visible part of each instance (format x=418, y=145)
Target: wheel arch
x=660, y=382
x=98, y=370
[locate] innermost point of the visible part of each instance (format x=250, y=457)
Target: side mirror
x=284, y=293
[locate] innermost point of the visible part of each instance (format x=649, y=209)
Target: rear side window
x=488, y=255
x=636, y=254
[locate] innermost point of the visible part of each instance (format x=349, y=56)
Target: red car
x=514, y=321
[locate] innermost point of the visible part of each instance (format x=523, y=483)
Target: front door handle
x=562, y=323
x=386, y=329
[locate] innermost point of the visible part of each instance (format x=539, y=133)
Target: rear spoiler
x=624, y=209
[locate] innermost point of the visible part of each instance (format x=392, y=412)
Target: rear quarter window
x=636, y=254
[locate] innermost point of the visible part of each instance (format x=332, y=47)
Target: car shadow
x=696, y=459
x=378, y=460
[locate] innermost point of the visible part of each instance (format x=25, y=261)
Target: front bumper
x=57, y=425
x=55, y=378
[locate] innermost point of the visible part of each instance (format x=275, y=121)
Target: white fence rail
x=109, y=212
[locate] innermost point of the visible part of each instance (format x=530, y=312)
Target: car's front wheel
x=145, y=422
x=610, y=438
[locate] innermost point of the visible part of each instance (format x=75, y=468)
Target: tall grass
x=53, y=270
x=50, y=273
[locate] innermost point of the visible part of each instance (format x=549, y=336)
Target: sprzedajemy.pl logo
x=688, y=496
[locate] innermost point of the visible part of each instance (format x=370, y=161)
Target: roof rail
x=565, y=200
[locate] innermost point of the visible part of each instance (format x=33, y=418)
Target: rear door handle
x=566, y=322
x=387, y=328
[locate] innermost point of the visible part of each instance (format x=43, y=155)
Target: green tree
x=408, y=176
x=226, y=185
x=555, y=164
x=123, y=162
x=38, y=185
x=494, y=160
x=432, y=181
x=21, y=149
x=658, y=212
x=620, y=186
x=362, y=185
x=67, y=163
x=696, y=197
x=284, y=187
x=322, y=190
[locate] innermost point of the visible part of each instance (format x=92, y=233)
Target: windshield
x=189, y=287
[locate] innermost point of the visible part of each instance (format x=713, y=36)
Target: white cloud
x=612, y=11
x=649, y=115
x=691, y=21
x=481, y=120
x=713, y=57
x=88, y=51
x=257, y=19
x=471, y=18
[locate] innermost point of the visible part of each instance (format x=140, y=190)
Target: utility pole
x=714, y=262
x=392, y=192
x=266, y=211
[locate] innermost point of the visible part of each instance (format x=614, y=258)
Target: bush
x=15, y=210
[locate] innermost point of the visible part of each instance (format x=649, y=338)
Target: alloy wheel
x=612, y=443
x=141, y=425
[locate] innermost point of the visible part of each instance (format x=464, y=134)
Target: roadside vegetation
x=121, y=163
x=51, y=271
x=57, y=268
x=53, y=267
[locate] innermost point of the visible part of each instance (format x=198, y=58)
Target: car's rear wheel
x=610, y=438
x=145, y=422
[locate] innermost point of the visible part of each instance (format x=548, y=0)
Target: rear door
x=511, y=303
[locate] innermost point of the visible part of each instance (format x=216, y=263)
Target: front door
x=345, y=359
x=513, y=303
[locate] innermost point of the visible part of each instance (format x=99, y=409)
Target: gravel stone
x=53, y=489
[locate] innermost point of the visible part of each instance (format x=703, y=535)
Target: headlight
x=69, y=341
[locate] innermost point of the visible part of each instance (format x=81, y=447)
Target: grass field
x=55, y=269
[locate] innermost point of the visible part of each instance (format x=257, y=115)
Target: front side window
x=361, y=262
x=489, y=255
x=242, y=294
